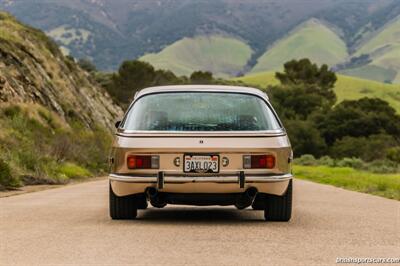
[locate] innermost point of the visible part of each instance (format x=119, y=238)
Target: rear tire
x=259, y=202
x=123, y=207
x=279, y=208
x=141, y=201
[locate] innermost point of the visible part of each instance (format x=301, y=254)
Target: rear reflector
x=143, y=162
x=258, y=161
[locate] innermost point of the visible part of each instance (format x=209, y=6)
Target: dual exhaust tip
x=156, y=199
x=244, y=200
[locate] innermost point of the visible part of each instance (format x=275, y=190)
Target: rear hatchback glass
x=200, y=111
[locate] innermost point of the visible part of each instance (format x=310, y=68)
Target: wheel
x=123, y=207
x=279, y=208
x=259, y=202
x=141, y=201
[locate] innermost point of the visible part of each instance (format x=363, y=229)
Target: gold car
x=201, y=145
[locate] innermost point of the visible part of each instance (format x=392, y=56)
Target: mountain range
x=228, y=37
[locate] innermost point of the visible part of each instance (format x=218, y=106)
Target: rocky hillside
x=55, y=122
x=33, y=70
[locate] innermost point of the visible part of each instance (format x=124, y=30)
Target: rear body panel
x=172, y=147
x=169, y=148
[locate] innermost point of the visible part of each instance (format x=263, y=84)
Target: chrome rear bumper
x=124, y=185
x=196, y=179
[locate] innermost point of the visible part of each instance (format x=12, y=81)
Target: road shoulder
x=36, y=188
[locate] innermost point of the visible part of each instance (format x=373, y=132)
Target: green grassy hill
x=223, y=56
x=384, y=51
x=347, y=88
x=311, y=39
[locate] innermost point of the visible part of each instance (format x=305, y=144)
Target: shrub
x=306, y=159
x=72, y=170
x=61, y=146
x=200, y=77
x=326, y=160
x=368, y=149
x=90, y=148
x=359, y=118
x=43, y=151
x=393, y=154
x=353, y=162
x=47, y=116
x=6, y=177
x=383, y=166
x=48, y=169
x=87, y=65
x=28, y=158
x=377, y=166
x=310, y=160
x=12, y=111
x=305, y=138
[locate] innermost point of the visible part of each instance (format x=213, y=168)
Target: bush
x=355, y=163
x=359, y=118
x=306, y=159
x=305, y=138
x=47, y=117
x=12, y=111
x=368, y=149
x=383, y=166
x=393, y=154
x=200, y=77
x=326, y=160
x=43, y=151
x=377, y=166
x=48, y=170
x=89, y=148
x=73, y=171
x=6, y=177
x=87, y=65
x=28, y=158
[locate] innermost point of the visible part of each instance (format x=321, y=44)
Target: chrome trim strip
x=201, y=88
x=195, y=179
x=261, y=133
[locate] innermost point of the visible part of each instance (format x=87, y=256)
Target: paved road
x=70, y=225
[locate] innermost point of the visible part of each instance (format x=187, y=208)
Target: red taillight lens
x=142, y=162
x=270, y=161
x=258, y=161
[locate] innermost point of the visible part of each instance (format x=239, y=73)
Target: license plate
x=201, y=163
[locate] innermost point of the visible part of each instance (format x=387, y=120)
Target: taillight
x=143, y=161
x=258, y=161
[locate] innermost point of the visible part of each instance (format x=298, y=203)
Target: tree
x=200, y=77
x=134, y=75
x=131, y=77
x=305, y=138
x=296, y=101
x=87, y=65
x=359, y=118
x=374, y=147
x=166, y=77
x=317, y=80
x=305, y=89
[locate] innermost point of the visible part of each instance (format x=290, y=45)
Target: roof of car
x=208, y=88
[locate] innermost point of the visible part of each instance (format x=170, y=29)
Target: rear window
x=200, y=111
